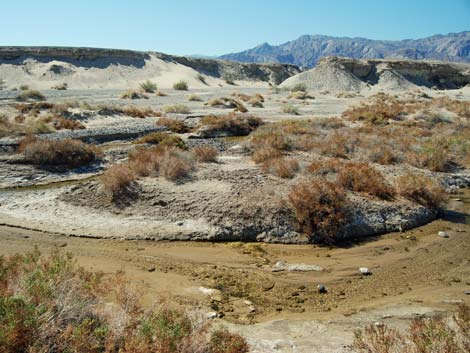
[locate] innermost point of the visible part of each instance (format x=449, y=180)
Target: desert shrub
x=379, y=110
x=117, y=178
x=299, y=87
x=265, y=153
x=194, y=98
x=61, y=123
x=302, y=95
x=338, y=144
x=325, y=167
x=133, y=94
x=362, y=177
x=285, y=168
x=289, y=109
x=25, y=108
x=173, y=125
x=162, y=139
x=319, y=208
x=174, y=165
x=421, y=189
x=23, y=87
x=236, y=124
x=180, y=86
x=28, y=94
x=166, y=161
x=425, y=335
x=225, y=102
x=176, y=109
x=202, y=78
x=6, y=127
x=271, y=138
x=161, y=94
x=205, y=154
x=60, y=86
x=433, y=155
x=68, y=152
x=222, y=341
x=135, y=112
x=148, y=86
x=383, y=155
x=228, y=78
x=50, y=304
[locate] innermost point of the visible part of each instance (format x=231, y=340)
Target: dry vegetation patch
x=174, y=125
x=50, y=304
x=235, y=124
x=205, y=154
x=72, y=153
x=319, y=208
x=134, y=94
x=421, y=189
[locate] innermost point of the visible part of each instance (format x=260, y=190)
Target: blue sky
x=215, y=27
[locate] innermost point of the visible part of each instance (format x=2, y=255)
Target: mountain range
x=308, y=49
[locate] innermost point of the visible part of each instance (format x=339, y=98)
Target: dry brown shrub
x=264, y=153
x=176, y=109
x=379, y=110
x=162, y=139
x=383, y=155
x=141, y=113
x=68, y=152
x=133, y=94
x=325, y=167
x=301, y=95
x=225, y=102
x=174, y=125
x=338, y=144
x=28, y=94
x=222, y=341
x=236, y=124
x=425, y=335
x=61, y=123
x=433, y=155
x=205, y=154
x=281, y=167
x=117, y=178
x=144, y=161
x=174, y=165
x=319, y=208
x=421, y=189
x=361, y=177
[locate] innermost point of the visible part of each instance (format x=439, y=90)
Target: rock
x=467, y=292
x=211, y=315
x=443, y=234
x=365, y=271
x=284, y=266
x=452, y=301
x=322, y=289
x=151, y=269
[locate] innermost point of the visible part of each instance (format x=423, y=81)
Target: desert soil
x=413, y=273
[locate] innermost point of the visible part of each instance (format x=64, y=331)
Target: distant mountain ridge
x=308, y=49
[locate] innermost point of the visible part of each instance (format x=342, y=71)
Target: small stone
x=322, y=289
x=365, y=271
x=443, y=234
x=211, y=315
x=467, y=292
x=63, y=245
x=180, y=223
x=151, y=269
x=410, y=237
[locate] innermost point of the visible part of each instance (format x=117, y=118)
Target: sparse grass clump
x=173, y=125
x=162, y=139
x=60, y=123
x=133, y=94
x=319, y=208
x=228, y=103
x=425, y=335
x=180, y=86
x=421, y=189
x=194, y=98
x=299, y=87
x=68, y=152
x=61, y=86
x=223, y=341
x=301, y=95
x=205, y=154
x=176, y=109
x=28, y=94
x=379, y=110
x=288, y=108
x=148, y=86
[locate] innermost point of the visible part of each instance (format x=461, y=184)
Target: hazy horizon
x=211, y=28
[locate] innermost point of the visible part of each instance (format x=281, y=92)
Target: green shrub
x=148, y=86
x=180, y=86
